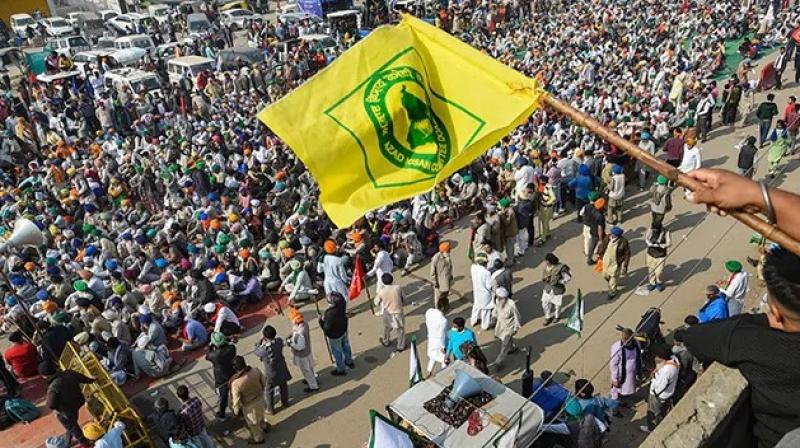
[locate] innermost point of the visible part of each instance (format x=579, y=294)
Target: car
x=166, y=51
x=57, y=27
x=239, y=19
x=142, y=41
x=67, y=45
x=297, y=17
x=107, y=14
x=20, y=23
x=105, y=43
x=159, y=12
x=72, y=18
x=89, y=24
x=188, y=66
x=136, y=81
x=125, y=24
x=237, y=57
x=85, y=61
x=197, y=25
x=319, y=41
x=236, y=4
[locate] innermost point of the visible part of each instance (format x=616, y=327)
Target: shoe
x=305, y=382
x=661, y=287
x=612, y=296
x=265, y=426
x=399, y=350
x=221, y=417
x=384, y=342
x=309, y=390
x=548, y=321
x=350, y=364
x=752, y=261
x=651, y=287
x=338, y=373
x=645, y=429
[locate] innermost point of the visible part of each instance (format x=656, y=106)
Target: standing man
x=482, y=297
x=730, y=101
x=457, y=336
x=191, y=416
x=390, y=301
x=442, y=276
x=747, y=156
x=546, y=203
x=647, y=145
x=662, y=387
x=221, y=356
x=437, y=326
x=333, y=269
x=766, y=112
x=300, y=343
x=553, y=278
x=674, y=148
x=658, y=241
x=508, y=324
x=64, y=396
x=270, y=351
x=735, y=287
x=705, y=108
x=502, y=277
x=594, y=229
x=625, y=364
x=660, y=199
x=247, y=387
x=383, y=264
x=334, y=324
x=780, y=65
x=508, y=221
x=616, y=195
x=616, y=257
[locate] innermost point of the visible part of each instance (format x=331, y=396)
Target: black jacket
x=746, y=156
x=334, y=323
x=56, y=337
x=222, y=359
x=64, y=391
x=275, y=369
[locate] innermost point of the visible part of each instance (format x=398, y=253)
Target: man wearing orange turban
x=300, y=343
x=442, y=276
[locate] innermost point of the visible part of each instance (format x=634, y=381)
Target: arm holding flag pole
x=319, y=320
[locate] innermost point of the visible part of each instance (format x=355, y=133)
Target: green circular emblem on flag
x=410, y=134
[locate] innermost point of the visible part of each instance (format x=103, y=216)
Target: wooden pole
x=319, y=315
x=769, y=231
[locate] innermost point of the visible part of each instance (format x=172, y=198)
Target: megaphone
x=464, y=386
x=25, y=234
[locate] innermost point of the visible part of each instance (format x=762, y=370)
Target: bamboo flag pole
x=769, y=231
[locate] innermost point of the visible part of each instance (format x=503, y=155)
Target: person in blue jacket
x=582, y=184
x=716, y=308
x=550, y=397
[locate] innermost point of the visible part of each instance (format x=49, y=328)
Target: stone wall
x=715, y=412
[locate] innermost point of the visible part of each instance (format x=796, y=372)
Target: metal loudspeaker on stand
x=25, y=234
x=464, y=386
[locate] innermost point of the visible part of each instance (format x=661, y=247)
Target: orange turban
x=357, y=237
x=244, y=253
x=329, y=246
x=49, y=306
x=600, y=203
x=215, y=225
x=288, y=252
x=444, y=247
x=295, y=316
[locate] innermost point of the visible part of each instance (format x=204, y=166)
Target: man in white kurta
x=736, y=288
x=437, y=326
x=333, y=269
x=482, y=293
x=383, y=265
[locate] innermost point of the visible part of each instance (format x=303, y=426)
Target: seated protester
x=248, y=288
x=298, y=283
x=112, y=438
x=589, y=404
x=118, y=361
x=550, y=397
x=269, y=270
x=119, y=327
x=456, y=337
x=763, y=348
x=150, y=354
x=192, y=334
x=223, y=318
x=22, y=356
x=173, y=318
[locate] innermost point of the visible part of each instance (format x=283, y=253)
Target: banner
x=575, y=321
x=310, y=7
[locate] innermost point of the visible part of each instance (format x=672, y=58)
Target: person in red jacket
x=22, y=356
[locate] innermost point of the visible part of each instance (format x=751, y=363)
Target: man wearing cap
x=716, y=306
x=508, y=226
x=65, y=397
x=616, y=257
x=658, y=242
x=223, y=318
x=442, y=276
x=616, y=194
x=247, y=388
x=221, y=355
x=482, y=293
x=101, y=438
x=544, y=207
x=662, y=386
x=270, y=350
x=660, y=199
x=735, y=287
x=298, y=283
x=647, y=145
x=508, y=324
x=390, y=300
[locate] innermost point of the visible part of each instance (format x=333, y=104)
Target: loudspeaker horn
x=464, y=386
x=25, y=234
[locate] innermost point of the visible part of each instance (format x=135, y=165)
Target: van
x=107, y=14
x=67, y=46
x=90, y=25
x=142, y=41
x=197, y=24
x=136, y=81
x=189, y=66
x=159, y=12
x=237, y=4
x=20, y=22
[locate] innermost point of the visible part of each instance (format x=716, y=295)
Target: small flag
x=396, y=114
x=575, y=321
x=414, y=365
x=357, y=283
x=385, y=434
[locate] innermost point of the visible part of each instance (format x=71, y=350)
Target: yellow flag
x=399, y=112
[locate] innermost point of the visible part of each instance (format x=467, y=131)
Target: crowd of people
x=165, y=215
